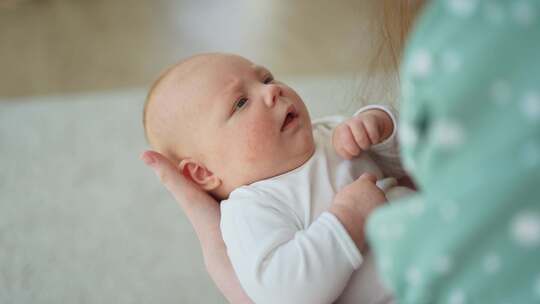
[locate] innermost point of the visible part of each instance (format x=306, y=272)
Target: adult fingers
x=369, y=176
x=365, y=180
x=201, y=209
x=364, y=191
x=183, y=190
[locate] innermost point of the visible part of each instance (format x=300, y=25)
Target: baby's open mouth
x=289, y=117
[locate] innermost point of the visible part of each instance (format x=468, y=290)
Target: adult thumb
x=169, y=175
x=159, y=164
x=369, y=176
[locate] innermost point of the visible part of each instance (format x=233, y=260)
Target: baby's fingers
x=344, y=142
x=373, y=129
x=360, y=134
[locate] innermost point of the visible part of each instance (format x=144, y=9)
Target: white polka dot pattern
x=536, y=287
x=494, y=13
x=451, y=61
x=457, y=296
x=530, y=106
x=449, y=211
x=530, y=154
x=525, y=229
x=492, y=263
x=386, y=264
x=523, y=13
x=448, y=133
x=408, y=135
x=462, y=8
x=501, y=92
x=442, y=264
x=422, y=63
x=416, y=208
x=413, y=276
x=470, y=135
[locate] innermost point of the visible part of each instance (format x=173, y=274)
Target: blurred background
x=82, y=220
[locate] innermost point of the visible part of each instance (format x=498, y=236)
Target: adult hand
x=353, y=204
x=204, y=214
x=362, y=195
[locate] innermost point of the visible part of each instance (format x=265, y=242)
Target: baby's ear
x=198, y=173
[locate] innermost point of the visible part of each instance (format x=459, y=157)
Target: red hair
x=393, y=22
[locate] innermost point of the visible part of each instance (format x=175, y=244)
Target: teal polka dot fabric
x=470, y=136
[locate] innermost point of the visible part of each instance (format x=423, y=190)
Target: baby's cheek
x=259, y=141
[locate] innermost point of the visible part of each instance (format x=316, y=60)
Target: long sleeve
x=277, y=261
x=470, y=135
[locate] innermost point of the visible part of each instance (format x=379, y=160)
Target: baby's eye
x=240, y=103
x=268, y=79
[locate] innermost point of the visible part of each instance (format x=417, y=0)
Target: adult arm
x=470, y=126
x=204, y=214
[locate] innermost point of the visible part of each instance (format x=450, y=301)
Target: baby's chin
x=286, y=167
x=255, y=172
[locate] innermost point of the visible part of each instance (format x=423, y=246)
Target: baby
x=291, y=222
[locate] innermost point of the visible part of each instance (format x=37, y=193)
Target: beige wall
x=59, y=46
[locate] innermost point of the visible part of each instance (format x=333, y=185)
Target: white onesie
x=284, y=245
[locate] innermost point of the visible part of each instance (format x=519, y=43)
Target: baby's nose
x=272, y=94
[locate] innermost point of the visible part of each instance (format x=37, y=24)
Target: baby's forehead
x=198, y=83
x=222, y=69
x=206, y=77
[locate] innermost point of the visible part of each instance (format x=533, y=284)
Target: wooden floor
x=60, y=46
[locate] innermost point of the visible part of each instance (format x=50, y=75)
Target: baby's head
x=227, y=122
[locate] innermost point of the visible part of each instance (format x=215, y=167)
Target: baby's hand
x=360, y=132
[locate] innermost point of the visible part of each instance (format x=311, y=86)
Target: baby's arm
x=279, y=261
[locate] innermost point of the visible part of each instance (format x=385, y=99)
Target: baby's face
x=246, y=126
